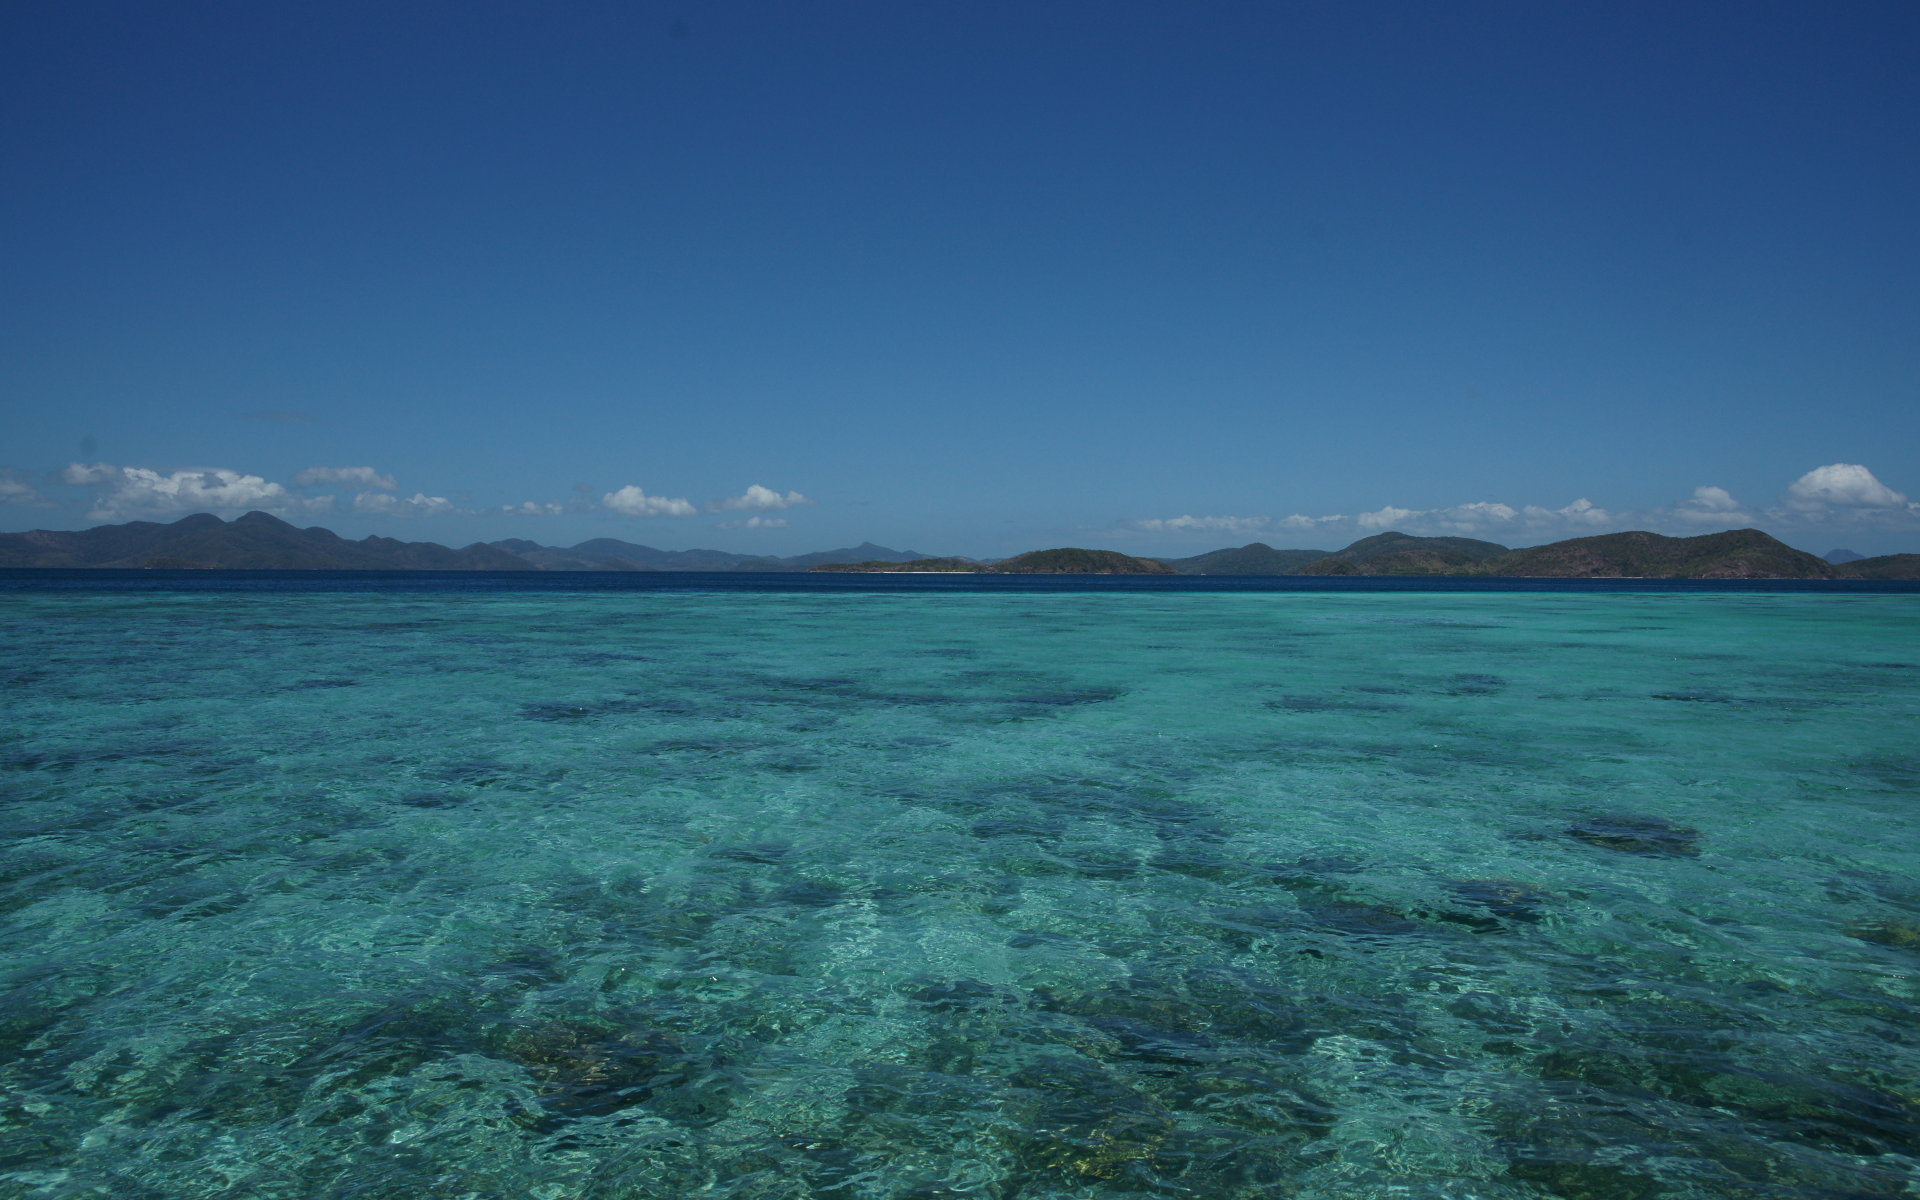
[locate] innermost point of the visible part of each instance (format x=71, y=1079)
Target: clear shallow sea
x=397, y=892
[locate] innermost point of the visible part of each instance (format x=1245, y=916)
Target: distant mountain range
x=1404, y=554
x=610, y=554
x=1254, y=558
x=258, y=541
x=1735, y=554
x=1068, y=560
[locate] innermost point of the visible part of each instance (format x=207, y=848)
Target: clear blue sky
x=967, y=277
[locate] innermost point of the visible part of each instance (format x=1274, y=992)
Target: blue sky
x=964, y=278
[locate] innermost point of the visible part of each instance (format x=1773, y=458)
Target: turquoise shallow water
x=897, y=897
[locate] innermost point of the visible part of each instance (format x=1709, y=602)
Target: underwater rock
x=1638, y=835
x=556, y=712
x=1310, y=873
x=1143, y=1001
x=579, y=712
x=1202, y=864
x=1173, y=820
x=1584, y=1178
x=1017, y=827
x=1502, y=899
x=1143, y=1042
x=1067, y=697
x=1355, y=918
x=1281, y=1111
x=961, y=994
x=763, y=853
x=434, y=799
x=807, y=893
x=1100, y=862
x=397, y=1038
x=587, y=1069
x=531, y=966
x=1333, y=704
x=472, y=773
x=1246, y=1006
x=1079, y=1122
x=190, y=899
x=1904, y=934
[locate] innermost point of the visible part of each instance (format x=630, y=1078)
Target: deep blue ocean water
x=390, y=887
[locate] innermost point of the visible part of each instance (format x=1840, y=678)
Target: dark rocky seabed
x=863, y=895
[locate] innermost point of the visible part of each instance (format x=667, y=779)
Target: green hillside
x=1070, y=560
x=1735, y=554
x=917, y=566
x=1254, y=558
x=256, y=541
x=1886, y=566
x=1403, y=554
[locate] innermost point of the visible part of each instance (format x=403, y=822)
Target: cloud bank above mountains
x=127, y=493
x=1837, y=500
x=121, y=493
x=1844, y=486
x=366, y=477
x=760, y=499
x=1834, y=495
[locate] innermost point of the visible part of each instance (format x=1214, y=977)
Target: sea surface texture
x=865, y=896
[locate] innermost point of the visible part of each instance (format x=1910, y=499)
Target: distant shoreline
x=20, y=583
x=261, y=541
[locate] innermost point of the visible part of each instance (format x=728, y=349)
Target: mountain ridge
x=261, y=541
x=253, y=541
x=1254, y=558
x=1395, y=553
x=1637, y=554
x=612, y=554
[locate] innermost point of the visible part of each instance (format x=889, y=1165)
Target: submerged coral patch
x=754, y=894
x=1638, y=835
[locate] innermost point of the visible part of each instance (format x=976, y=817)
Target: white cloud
x=1829, y=498
x=365, y=477
x=1581, y=512
x=757, y=498
x=84, y=474
x=14, y=490
x=1181, y=524
x=755, y=523
x=1841, y=485
x=1713, y=499
x=632, y=502
x=1474, y=517
x=1479, y=518
x=1302, y=521
x=1712, y=506
x=421, y=505
x=131, y=491
x=1386, y=518
x=527, y=508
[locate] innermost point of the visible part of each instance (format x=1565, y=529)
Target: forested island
x=1735, y=554
x=260, y=541
x=1068, y=560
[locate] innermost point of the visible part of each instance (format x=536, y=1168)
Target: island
x=260, y=541
x=1066, y=560
x=919, y=566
